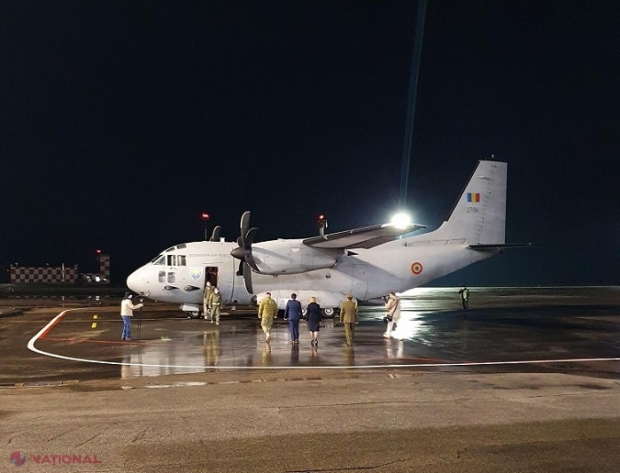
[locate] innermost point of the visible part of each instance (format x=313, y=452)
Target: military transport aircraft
x=367, y=262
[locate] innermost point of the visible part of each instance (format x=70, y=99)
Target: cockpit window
x=181, y=260
x=172, y=260
x=160, y=259
x=170, y=249
x=181, y=246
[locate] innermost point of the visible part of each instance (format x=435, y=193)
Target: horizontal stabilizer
x=366, y=237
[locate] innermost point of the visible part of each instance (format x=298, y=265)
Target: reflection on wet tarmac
x=504, y=324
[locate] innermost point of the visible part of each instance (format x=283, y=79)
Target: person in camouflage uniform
x=267, y=311
x=215, y=300
x=206, y=313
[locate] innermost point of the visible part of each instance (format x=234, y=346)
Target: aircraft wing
x=365, y=237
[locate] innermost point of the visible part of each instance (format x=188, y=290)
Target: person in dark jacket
x=292, y=312
x=313, y=316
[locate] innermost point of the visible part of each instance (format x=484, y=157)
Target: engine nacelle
x=291, y=257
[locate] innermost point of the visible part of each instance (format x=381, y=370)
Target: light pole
x=205, y=217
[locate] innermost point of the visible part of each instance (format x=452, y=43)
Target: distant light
x=401, y=220
x=204, y=216
x=98, y=252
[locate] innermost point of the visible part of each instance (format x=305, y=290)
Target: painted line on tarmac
x=56, y=319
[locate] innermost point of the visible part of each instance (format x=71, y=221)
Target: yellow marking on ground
x=94, y=325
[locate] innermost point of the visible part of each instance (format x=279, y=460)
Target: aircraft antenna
x=413, y=88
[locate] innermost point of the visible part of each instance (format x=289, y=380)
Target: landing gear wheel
x=194, y=315
x=328, y=312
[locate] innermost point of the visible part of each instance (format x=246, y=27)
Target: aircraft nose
x=135, y=282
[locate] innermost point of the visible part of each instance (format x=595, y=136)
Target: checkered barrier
x=43, y=275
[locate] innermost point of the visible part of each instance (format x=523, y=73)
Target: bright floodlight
x=401, y=220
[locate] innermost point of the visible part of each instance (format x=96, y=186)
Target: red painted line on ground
x=50, y=327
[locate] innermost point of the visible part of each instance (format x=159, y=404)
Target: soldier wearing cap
x=267, y=311
x=348, y=317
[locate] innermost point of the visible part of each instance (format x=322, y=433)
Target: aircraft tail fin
x=479, y=215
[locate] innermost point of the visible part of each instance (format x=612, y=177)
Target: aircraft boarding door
x=211, y=273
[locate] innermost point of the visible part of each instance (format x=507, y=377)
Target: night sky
x=120, y=122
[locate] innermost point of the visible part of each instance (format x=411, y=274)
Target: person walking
x=215, y=301
x=348, y=316
x=313, y=317
x=267, y=311
x=292, y=312
x=127, y=308
x=206, y=310
x=464, y=293
x=393, y=313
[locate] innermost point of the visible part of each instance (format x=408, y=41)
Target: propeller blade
x=249, y=259
x=249, y=237
x=245, y=226
x=247, y=278
x=215, y=236
x=240, y=270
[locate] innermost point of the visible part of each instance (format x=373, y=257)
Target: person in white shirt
x=127, y=308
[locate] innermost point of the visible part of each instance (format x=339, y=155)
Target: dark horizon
x=123, y=122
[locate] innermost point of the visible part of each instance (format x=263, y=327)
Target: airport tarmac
x=527, y=380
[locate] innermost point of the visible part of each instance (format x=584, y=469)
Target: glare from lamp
x=401, y=220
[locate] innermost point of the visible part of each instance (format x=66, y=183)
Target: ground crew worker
x=127, y=308
x=464, y=293
x=215, y=300
x=348, y=316
x=206, y=312
x=267, y=311
x=393, y=313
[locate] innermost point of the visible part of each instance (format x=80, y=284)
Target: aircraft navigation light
x=401, y=220
x=205, y=217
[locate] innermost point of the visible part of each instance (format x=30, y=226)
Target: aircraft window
x=180, y=247
x=155, y=259
x=161, y=259
x=172, y=260
x=170, y=249
x=181, y=260
x=162, y=276
x=171, y=276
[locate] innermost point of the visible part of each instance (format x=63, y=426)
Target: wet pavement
x=528, y=380
x=567, y=330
